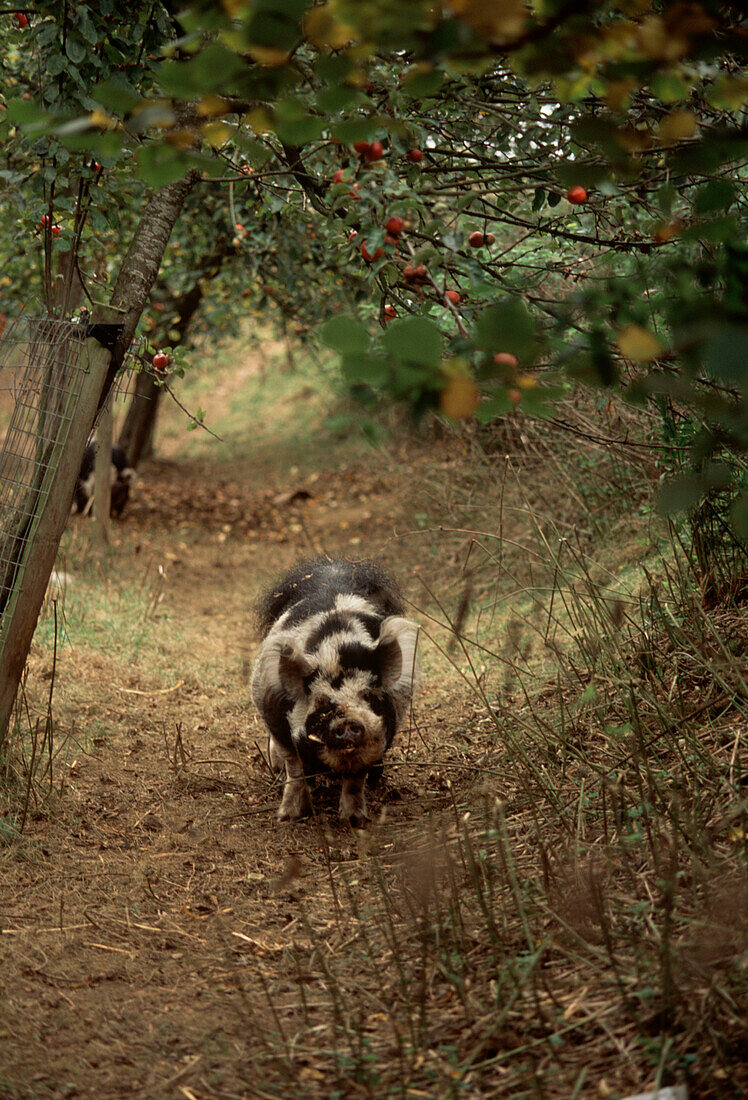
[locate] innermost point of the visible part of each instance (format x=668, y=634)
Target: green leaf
x=680, y=494
x=423, y=85
x=541, y=401
x=276, y=23
x=213, y=68
x=333, y=68
x=499, y=404
x=159, y=164
x=415, y=340
x=56, y=64
x=345, y=335
x=587, y=173
x=85, y=25
x=32, y=118
x=299, y=131
x=116, y=95
x=256, y=153
x=715, y=195
x=48, y=33
x=670, y=88
x=726, y=354
x=506, y=326
x=370, y=369
x=739, y=516
x=721, y=229
x=336, y=98
x=355, y=129
x=75, y=50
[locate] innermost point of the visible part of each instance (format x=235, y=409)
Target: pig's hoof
x=293, y=813
x=358, y=821
x=285, y=815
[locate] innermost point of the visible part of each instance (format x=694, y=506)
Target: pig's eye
x=372, y=699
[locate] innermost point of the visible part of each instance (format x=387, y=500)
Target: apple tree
x=569, y=181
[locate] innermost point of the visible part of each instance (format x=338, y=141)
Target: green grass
x=572, y=921
x=576, y=924
x=276, y=418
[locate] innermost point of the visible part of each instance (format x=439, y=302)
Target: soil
x=148, y=904
x=161, y=935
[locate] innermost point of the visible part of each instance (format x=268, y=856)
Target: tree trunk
x=136, y=437
x=140, y=421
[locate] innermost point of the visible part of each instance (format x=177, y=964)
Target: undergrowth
x=576, y=925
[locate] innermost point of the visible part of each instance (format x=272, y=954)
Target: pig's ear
x=397, y=648
x=293, y=667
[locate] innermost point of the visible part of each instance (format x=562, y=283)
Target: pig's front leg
x=353, y=800
x=296, y=801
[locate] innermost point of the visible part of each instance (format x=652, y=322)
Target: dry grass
x=551, y=899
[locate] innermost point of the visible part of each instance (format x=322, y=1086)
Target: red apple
x=361, y=147
x=44, y=221
x=453, y=296
x=161, y=362
x=394, y=225
x=476, y=239
x=576, y=195
x=56, y=230
x=352, y=236
x=505, y=359
x=375, y=151
x=421, y=272
x=409, y=273
x=338, y=177
x=378, y=253
x=416, y=155
x=20, y=19
x=490, y=238
x=389, y=311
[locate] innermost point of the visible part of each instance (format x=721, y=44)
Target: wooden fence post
x=103, y=476
x=32, y=547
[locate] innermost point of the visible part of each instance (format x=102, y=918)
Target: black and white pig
x=334, y=677
x=122, y=478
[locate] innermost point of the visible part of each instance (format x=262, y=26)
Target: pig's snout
x=346, y=738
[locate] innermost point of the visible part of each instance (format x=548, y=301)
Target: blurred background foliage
x=479, y=206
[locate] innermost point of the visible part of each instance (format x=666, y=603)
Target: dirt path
x=162, y=936
x=146, y=913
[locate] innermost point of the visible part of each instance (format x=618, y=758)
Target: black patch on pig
x=371, y=624
x=341, y=622
x=374, y=774
x=312, y=586
x=120, y=489
x=337, y=622
x=355, y=657
x=276, y=707
x=319, y=720
x=385, y=708
x=307, y=607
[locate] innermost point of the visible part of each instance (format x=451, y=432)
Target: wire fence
x=42, y=368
